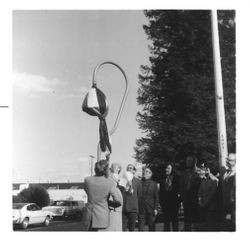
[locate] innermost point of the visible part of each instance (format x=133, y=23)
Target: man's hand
x=200, y=201
x=228, y=217
x=155, y=212
x=107, y=156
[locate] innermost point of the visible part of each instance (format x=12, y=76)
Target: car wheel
x=46, y=221
x=25, y=223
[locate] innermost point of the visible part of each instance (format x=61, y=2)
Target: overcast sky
x=54, y=55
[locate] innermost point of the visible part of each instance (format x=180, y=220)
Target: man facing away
x=98, y=189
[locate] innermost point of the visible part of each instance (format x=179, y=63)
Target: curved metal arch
x=94, y=83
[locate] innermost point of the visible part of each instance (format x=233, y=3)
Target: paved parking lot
x=58, y=225
x=71, y=225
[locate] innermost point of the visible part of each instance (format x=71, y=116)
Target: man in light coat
x=99, y=188
x=115, y=212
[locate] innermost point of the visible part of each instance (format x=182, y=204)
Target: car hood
x=52, y=208
x=16, y=213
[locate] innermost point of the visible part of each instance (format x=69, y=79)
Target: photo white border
x=243, y=123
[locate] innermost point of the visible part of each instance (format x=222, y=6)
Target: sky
x=54, y=56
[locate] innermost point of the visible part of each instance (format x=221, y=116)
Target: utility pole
x=220, y=111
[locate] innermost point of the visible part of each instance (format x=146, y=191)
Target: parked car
x=25, y=214
x=66, y=208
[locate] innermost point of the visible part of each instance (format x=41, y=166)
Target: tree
x=177, y=89
x=16, y=199
x=35, y=194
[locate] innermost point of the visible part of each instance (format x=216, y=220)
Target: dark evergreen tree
x=16, y=199
x=177, y=89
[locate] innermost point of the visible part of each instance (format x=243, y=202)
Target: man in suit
x=148, y=201
x=189, y=187
x=207, y=196
x=130, y=201
x=98, y=189
x=169, y=198
x=227, y=191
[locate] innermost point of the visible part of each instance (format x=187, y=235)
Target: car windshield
x=60, y=203
x=18, y=205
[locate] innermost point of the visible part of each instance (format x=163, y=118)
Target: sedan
x=66, y=208
x=25, y=214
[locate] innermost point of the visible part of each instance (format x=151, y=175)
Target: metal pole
x=220, y=111
x=98, y=152
x=91, y=165
x=122, y=103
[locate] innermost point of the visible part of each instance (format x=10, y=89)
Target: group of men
x=207, y=196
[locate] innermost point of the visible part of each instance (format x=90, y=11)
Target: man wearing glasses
x=227, y=185
x=130, y=200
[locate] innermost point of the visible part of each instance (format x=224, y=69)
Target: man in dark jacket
x=189, y=187
x=148, y=201
x=227, y=192
x=208, y=200
x=169, y=198
x=130, y=201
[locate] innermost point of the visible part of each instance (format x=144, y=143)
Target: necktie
x=168, y=185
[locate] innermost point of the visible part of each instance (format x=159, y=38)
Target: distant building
x=58, y=191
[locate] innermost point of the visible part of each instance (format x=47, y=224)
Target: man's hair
x=214, y=170
x=231, y=156
x=113, y=165
x=101, y=168
x=172, y=167
x=131, y=165
x=149, y=167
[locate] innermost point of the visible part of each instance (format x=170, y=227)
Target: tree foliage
x=16, y=199
x=35, y=194
x=177, y=89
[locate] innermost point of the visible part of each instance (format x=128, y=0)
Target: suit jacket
x=169, y=198
x=149, y=198
x=208, y=194
x=228, y=191
x=98, y=189
x=189, y=187
x=130, y=200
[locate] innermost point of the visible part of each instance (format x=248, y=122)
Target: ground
x=73, y=225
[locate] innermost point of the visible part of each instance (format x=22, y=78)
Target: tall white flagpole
x=220, y=111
